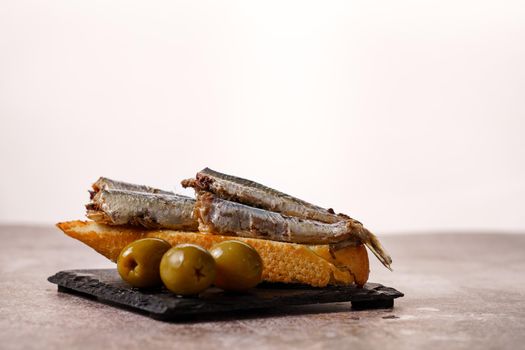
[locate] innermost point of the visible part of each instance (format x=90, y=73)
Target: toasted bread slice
x=283, y=262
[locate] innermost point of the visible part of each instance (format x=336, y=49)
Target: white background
x=408, y=115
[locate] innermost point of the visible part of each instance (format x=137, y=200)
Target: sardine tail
x=372, y=242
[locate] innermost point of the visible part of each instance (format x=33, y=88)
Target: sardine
x=150, y=210
x=220, y=216
x=256, y=195
x=343, y=232
x=103, y=183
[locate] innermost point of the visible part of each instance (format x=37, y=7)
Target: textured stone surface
x=461, y=292
x=107, y=286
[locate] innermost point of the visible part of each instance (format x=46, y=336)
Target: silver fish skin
x=219, y=216
x=103, y=183
x=256, y=195
x=150, y=210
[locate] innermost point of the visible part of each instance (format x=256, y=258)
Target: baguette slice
x=283, y=262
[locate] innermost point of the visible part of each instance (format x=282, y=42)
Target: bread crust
x=283, y=262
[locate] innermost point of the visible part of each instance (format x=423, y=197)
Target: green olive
x=239, y=266
x=187, y=269
x=138, y=263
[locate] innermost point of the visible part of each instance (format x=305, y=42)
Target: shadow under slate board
x=106, y=286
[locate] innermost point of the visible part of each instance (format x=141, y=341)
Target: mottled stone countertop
x=462, y=291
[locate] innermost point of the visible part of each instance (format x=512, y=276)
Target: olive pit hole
x=132, y=263
x=198, y=273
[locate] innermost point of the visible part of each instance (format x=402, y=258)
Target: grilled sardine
x=343, y=230
x=103, y=183
x=219, y=216
x=150, y=210
x=254, y=194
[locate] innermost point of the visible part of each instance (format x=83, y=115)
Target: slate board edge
x=371, y=296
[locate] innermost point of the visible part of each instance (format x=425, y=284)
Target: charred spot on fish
x=344, y=216
x=188, y=183
x=330, y=210
x=92, y=206
x=95, y=186
x=203, y=182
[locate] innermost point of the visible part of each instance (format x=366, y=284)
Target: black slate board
x=106, y=286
